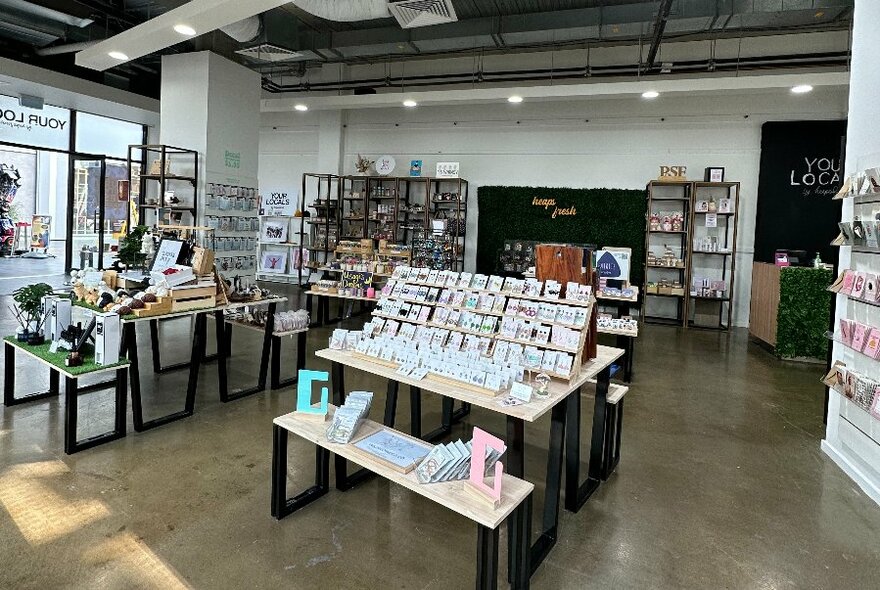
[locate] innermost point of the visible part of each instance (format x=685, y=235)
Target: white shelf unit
x=232, y=211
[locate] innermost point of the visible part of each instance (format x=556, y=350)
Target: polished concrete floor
x=721, y=485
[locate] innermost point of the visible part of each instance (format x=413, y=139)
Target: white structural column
x=331, y=140
x=852, y=438
x=212, y=105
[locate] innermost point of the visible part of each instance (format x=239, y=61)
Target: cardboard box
x=107, y=336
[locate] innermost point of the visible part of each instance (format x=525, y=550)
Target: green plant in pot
x=130, y=248
x=29, y=313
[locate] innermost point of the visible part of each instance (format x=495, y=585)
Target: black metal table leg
x=157, y=355
x=391, y=403
x=576, y=494
x=281, y=505
x=550, y=522
x=129, y=335
x=71, y=397
x=515, y=466
x=276, y=381
x=223, y=351
x=415, y=411
x=613, y=432
x=519, y=542
x=9, y=398
x=344, y=481
x=627, y=344
x=487, y=558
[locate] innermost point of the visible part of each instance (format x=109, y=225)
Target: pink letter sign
x=482, y=441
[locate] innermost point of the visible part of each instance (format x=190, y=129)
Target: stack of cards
x=452, y=461
x=348, y=416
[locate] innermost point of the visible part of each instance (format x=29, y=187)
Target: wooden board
x=765, y=302
x=615, y=391
x=529, y=412
x=198, y=303
x=450, y=494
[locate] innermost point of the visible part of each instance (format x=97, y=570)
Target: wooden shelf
x=663, y=295
x=548, y=346
x=710, y=253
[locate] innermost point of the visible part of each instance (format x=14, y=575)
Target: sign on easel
x=352, y=279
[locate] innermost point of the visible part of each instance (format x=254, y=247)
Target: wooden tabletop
x=450, y=494
x=338, y=296
x=529, y=412
x=262, y=329
x=229, y=306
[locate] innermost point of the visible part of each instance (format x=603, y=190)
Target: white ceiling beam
x=704, y=85
x=158, y=33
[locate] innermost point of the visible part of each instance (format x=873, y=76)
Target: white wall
x=587, y=143
x=852, y=438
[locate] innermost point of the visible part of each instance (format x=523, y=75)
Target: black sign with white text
x=801, y=170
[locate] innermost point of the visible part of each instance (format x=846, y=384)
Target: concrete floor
x=721, y=485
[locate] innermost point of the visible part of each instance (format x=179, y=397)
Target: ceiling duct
x=345, y=10
x=244, y=30
x=268, y=53
x=422, y=13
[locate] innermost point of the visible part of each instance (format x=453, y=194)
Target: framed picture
x=273, y=262
x=724, y=205
x=273, y=231
x=169, y=253
x=415, y=168
x=702, y=206
x=715, y=174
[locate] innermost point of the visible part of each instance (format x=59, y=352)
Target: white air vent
x=422, y=13
x=269, y=53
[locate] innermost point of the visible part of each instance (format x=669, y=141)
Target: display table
x=322, y=317
x=72, y=390
x=515, y=502
x=563, y=415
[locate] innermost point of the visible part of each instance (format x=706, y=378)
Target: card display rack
x=712, y=257
x=232, y=214
x=403, y=290
x=668, y=229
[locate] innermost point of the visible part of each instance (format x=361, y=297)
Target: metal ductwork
x=345, y=10
x=68, y=48
x=245, y=30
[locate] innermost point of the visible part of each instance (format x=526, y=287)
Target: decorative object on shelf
x=415, y=168
x=714, y=174
x=362, y=164
x=384, y=165
x=348, y=416
x=486, y=444
x=673, y=174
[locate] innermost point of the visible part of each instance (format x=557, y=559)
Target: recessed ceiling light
x=515, y=99
x=301, y=107
x=185, y=30
x=650, y=94
x=118, y=55
x=802, y=89
x=410, y=103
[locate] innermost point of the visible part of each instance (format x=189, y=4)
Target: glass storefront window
x=106, y=136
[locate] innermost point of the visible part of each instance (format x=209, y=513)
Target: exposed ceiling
x=293, y=43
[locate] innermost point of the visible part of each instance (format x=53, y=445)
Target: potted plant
x=130, y=253
x=28, y=311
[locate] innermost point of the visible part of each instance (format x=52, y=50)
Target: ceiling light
x=802, y=89
x=301, y=107
x=118, y=55
x=515, y=99
x=650, y=94
x=185, y=30
x=410, y=103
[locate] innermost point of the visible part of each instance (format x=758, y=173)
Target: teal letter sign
x=304, y=392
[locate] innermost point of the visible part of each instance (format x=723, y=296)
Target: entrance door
x=99, y=207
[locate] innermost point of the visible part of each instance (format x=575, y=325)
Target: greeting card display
x=273, y=262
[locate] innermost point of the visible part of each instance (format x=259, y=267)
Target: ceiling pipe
x=245, y=30
x=68, y=48
x=659, y=27
x=345, y=10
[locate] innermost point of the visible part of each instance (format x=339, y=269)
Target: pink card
x=858, y=289
x=846, y=331
x=860, y=332
x=870, y=293
x=848, y=279
x=872, y=343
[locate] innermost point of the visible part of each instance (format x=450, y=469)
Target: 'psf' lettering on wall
x=557, y=211
x=819, y=177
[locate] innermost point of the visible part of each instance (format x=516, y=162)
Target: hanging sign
x=48, y=127
x=279, y=203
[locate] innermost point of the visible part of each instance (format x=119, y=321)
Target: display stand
x=712, y=257
x=321, y=194
x=231, y=212
x=665, y=287
x=169, y=170
x=449, y=203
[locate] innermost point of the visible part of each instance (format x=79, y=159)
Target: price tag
x=521, y=391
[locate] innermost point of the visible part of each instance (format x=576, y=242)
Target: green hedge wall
x=603, y=216
x=804, y=312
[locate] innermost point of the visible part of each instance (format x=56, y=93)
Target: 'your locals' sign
x=549, y=205
x=279, y=203
x=48, y=127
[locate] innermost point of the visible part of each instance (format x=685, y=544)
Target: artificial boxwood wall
x=602, y=216
x=804, y=312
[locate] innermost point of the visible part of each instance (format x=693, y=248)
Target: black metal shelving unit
x=167, y=169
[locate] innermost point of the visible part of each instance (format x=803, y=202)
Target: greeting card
x=846, y=331
x=859, y=285
x=872, y=343
x=860, y=333
x=849, y=277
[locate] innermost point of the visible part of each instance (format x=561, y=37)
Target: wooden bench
x=516, y=499
x=613, y=427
